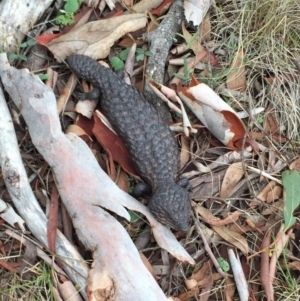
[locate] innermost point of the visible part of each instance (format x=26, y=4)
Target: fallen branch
x=19, y=189
x=85, y=189
x=161, y=41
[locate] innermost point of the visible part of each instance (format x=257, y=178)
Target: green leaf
x=31, y=42
x=133, y=216
x=148, y=53
x=183, y=77
x=23, y=45
x=23, y=57
x=116, y=63
x=124, y=53
x=260, y=119
x=71, y=6
x=185, y=66
x=140, y=51
x=43, y=76
x=65, y=19
x=194, y=36
x=140, y=57
x=223, y=264
x=12, y=57
x=291, y=197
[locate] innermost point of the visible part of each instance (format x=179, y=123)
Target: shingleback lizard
x=147, y=136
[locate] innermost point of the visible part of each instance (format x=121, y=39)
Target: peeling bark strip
x=117, y=267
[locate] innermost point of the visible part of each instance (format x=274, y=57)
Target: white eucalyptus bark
x=19, y=189
x=16, y=18
x=86, y=189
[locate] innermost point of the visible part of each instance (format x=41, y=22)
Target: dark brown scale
x=146, y=135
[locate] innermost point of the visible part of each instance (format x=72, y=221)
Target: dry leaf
x=95, y=39
x=206, y=30
x=123, y=182
x=233, y=175
x=113, y=145
x=146, y=5
x=10, y=216
x=219, y=118
x=236, y=79
x=195, y=42
x=185, y=150
x=86, y=107
x=147, y=265
x=263, y=194
x=73, y=128
x=295, y=165
x=229, y=289
x=162, y=8
x=234, y=238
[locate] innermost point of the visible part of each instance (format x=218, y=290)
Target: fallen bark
x=13, y=25
x=161, y=41
x=19, y=189
x=85, y=189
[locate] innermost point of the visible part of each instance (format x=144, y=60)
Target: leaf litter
x=247, y=52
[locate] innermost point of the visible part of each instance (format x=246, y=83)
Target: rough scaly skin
x=146, y=135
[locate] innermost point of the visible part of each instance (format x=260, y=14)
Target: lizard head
x=170, y=205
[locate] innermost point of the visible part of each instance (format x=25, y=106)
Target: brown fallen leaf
x=270, y=125
x=122, y=182
x=265, y=266
x=229, y=289
x=8, y=266
x=236, y=79
x=28, y=261
x=200, y=274
x=113, y=145
x=148, y=265
x=233, y=175
x=185, y=150
x=86, y=124
x=162, y=8
x=206, y=288
x=77, y=130
x=206, y=29
x=52, y=219
x=295, y=165
x=234, y=238
x=95, y=39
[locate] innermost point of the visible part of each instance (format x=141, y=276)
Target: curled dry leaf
x=95, y=39
x=214, y=113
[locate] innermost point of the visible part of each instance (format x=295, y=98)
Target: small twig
x=208, y=250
